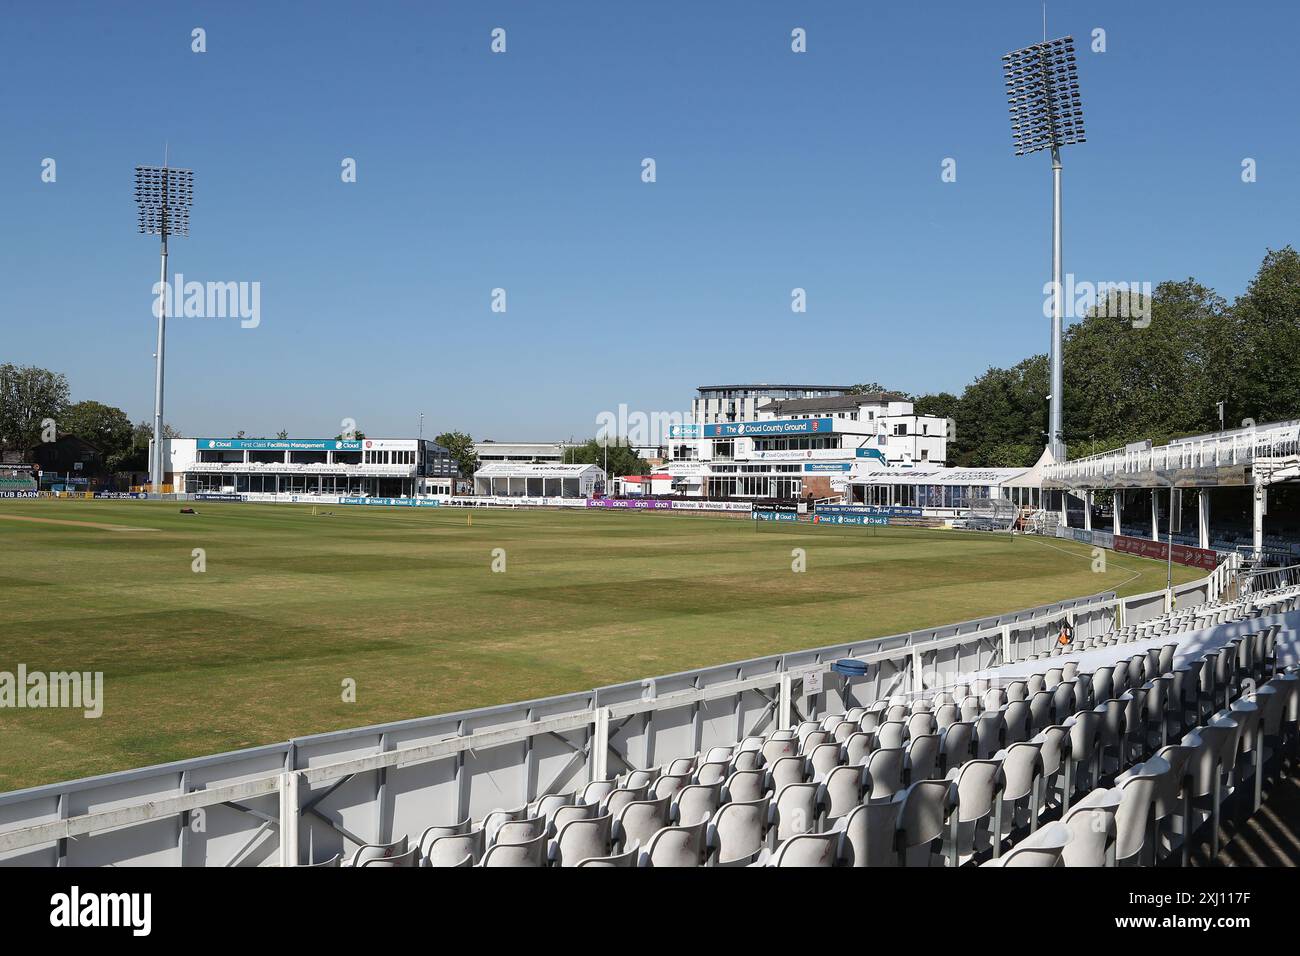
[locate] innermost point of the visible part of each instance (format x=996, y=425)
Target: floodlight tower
x=1043, y=90
x=164, y=196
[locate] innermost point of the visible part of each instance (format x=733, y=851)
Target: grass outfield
x=255, y=649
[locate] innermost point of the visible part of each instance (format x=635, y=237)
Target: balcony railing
x=1242, y=446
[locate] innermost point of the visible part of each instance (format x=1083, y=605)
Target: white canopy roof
x=937, y=476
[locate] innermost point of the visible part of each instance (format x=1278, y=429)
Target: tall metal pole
x=1056, y=437
x=156, y=466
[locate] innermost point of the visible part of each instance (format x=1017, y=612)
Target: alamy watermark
x=83, y=690
x=210, y=300
x=1116, y=300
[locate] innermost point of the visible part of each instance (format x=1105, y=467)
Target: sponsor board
x=850, y=519
x=798, y=426
x=1102, y=539
x=216, y=496
x=120, y=494
x=276, y=444
x=688, y=505
x=895, y=511
x=24, y=493
x=836, y=466
x=1183, y=554
x=767, y=512
x=628, y=503
x=393, y=502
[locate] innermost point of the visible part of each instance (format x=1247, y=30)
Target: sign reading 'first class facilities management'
x=277, y=444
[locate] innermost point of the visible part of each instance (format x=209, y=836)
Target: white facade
x=521, y=451
x=800, y=447
x=364, y=467
x=740, y=403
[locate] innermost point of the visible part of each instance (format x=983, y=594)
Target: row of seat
x=956, y=776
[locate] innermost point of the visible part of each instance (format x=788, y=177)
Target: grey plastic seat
x=1058, y=766
x=946, y=715
x=579, y=811
x=988, y=733
x=1022, y=774
x=432, y=833
x=1092, y=826
x=450, y=850
x=530, y=854
x=579, y=839
x=713, y=771
x=618, y=798
x=670, y=784
x=812, y=740
x=787, y=770
x=923, y=811
x=522, y=831
x=697, y=803
x=867, y=834
x=921, y=724
x=495, y=818
x=596, y=791
x=922, y=760
x=1171, y=800
x=823, y=760
x=410, y=858
x=738, y=831
x=626, y=859
x=857, y=748
x=773, y=750
x=745, y=785
x=335, y=861
x=1134, y=838
x=979, y=784
x=891, y=735
x=798, y=808
x=638, y=821
x=378, y=851
x=676, y=847
x=845, y=789
x=1042, y=849
x=956, y=745
x=808, y=850
x=885, y=772
x=1040, y=712
x=546, y=805
x=637, y=779
x=752, y=759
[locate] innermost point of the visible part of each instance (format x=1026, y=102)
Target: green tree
x=104, y=426
x=622, y=458
x=461, y=448
x=1266, y=386
x=28, y=396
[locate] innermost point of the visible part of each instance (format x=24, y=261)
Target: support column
x=1087, y=511
x=785, y=715
x=1116, y=507
x=1155, y=514
x=1203, y=509
x=1261, y=509
x=289, y=812
x=600, y=744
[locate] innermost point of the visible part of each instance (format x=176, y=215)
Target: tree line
x=1127, y=380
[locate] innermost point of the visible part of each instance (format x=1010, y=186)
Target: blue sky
x=522, y=171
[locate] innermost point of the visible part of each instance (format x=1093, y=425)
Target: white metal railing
x=646, y=715
x=1240, y=446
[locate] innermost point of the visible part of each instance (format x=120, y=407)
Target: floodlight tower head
x=1043, y=91
x=164, y=196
